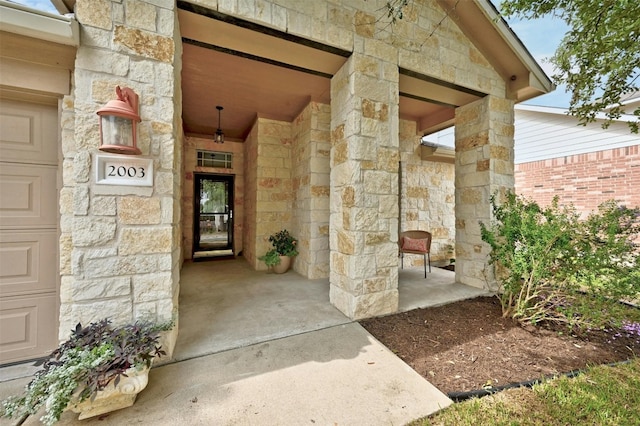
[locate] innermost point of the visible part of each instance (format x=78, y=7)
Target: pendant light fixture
x=219, y=136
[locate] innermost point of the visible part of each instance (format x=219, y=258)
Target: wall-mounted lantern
x=118, y=123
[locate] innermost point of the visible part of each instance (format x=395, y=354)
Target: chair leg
x=429, y=255
x=401, y=260
x=425, y=265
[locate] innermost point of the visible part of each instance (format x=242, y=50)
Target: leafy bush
x=553, y=266
x=93, y=357
x=284, y=243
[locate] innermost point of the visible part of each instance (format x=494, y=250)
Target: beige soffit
x=430, y=151
x=500, y=45
x=18, y=19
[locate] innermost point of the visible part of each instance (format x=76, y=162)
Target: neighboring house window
x=221, y=160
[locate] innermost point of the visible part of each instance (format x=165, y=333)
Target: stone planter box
x=113, y=397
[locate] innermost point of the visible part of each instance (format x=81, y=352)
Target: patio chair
x=416, y=242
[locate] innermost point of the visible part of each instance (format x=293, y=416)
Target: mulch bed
x=466, y=345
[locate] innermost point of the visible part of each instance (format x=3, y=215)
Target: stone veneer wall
x=250, y=196
x=311, y=148
x=120, y=246
x=191, y=146
x=484, y=166
x=427, y=196
x=269, y=189
x=584, y=180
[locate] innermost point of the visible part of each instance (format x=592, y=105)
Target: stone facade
x=363, y=227
x=427, y=197
x=484, y=167
x=344, y=178
x=287, y=187
x=311, y=149
x=120, y=246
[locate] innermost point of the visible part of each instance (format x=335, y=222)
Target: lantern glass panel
x=117, y=131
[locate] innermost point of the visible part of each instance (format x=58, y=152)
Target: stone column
x=124, y=242
x=364, y=187
x=484, y=166
x=310, y=176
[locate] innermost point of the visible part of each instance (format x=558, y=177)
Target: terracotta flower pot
x=283, y=266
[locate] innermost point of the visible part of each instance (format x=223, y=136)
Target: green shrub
x=553, y=266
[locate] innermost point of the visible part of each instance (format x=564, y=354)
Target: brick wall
x=584, y=180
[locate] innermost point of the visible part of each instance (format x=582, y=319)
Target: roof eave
x=18, y=19
x=489, y=32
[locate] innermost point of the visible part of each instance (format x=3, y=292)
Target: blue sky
x=540, y=36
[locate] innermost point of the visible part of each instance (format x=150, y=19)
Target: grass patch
x=600, y=396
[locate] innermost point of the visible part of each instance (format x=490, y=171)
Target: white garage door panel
x=28, y=196
x=23, y=322
x=28, y=262
x=28, y=132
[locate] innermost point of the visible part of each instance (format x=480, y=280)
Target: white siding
x=549, y=133
x=542, y=135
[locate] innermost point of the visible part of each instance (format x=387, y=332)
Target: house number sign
x=124, y=170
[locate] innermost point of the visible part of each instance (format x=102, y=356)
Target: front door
x=213, y=218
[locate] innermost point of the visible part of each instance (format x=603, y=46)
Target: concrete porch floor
x=257, y=348
x=225, y=304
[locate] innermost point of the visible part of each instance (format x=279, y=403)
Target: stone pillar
x=310, y=175
x=124, y=242
x=484, y=166
x=364, y=187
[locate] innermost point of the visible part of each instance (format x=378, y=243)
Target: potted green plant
x=284, y=248
x=100, y=368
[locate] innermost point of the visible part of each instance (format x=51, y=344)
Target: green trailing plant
x=553, y=266
x=93, y=357
x=271, y=258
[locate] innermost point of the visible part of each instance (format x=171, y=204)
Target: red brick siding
x=584, y=180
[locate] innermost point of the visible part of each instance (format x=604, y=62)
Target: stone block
x=145, y=44
x=364, y=24
x=91, y=231
x=346, y=243
x=98, y=60
x=375, y=304
x=103, y=206
x=66, y=247
x=139, y=210
x=377, y=182
x=96, y=13
x=365, y=219
x=151, y=287
x=119, y=310
x=387, y=255
x=82, y=167
x=91, y=290
x=141, y=15
x=145, y=240
x=81, y=200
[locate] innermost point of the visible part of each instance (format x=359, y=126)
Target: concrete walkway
x=264, y=349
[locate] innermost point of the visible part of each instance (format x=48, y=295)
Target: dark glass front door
x=213, y=215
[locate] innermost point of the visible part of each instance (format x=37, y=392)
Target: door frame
x=198, y=177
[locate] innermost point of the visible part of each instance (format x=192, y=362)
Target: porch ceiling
x=254, y=71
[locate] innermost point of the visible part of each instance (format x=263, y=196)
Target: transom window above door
x=221, y=160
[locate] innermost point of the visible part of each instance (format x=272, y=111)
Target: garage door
x=28, y=230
